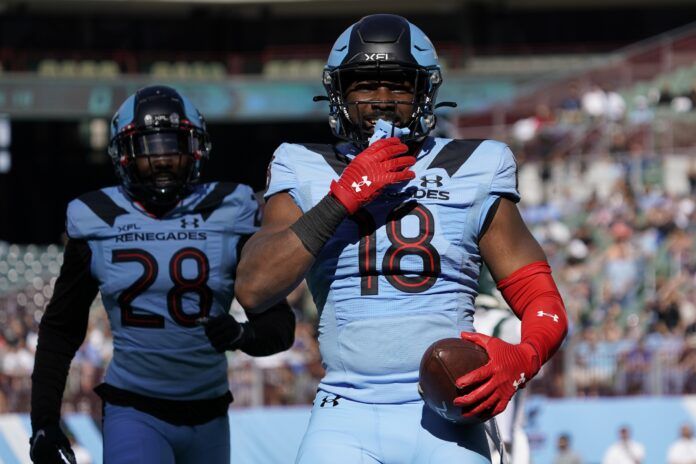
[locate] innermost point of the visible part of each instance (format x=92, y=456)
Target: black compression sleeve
x=61, y=332
x=240, y=246
x=316, y=226
x=271, y=331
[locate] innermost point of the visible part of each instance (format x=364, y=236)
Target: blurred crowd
x=611, y=197
x=588, y=118
x=628, y=450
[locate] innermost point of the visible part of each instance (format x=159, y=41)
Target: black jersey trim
x=177, y=412
x=214, y=199
x=490, y=214
x=103, y=206
x=454, y=155
x=333, y=158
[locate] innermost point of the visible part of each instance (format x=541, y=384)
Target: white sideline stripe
x=690, y=405
x=12, y=428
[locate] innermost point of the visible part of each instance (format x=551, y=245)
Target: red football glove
x=373, y=169
x=509, y=367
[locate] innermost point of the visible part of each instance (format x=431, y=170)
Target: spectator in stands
x=691, y=95
x=692, y=176
x=687, y=365
x=635, y=365
x=564, y=453
x=624, y=451
x=600, y=104
x=641, y=112
x=594, y=364
x=616, y=106
x=594, y=101
x=571, y=105
x=18, y=361
x=621, y=265
x=666, y=95
x=683, y=450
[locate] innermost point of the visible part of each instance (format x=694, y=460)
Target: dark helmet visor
x=163, y=143
x=388, y=73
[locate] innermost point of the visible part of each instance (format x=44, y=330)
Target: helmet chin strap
x=159, y=200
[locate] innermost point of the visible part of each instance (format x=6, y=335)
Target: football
x=442, y=364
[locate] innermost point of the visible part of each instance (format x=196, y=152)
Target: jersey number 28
x=182, y=285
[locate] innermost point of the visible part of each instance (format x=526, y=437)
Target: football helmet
x=156, y=121
x=393, y=49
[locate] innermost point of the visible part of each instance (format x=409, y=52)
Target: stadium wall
x=273, y=435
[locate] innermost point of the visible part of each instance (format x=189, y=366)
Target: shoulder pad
x=454, y=154
x=220, y=193
x=333, y=157
x=233, y=206
x=93, y=213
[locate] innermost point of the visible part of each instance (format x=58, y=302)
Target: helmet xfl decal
x=172, y=119
x=365, y=182
x=434, y=180
x=376, y=56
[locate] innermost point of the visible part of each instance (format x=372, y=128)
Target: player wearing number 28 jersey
x=162, y=249
x=390, y=229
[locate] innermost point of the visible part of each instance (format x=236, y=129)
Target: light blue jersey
x=158, y=276
x=403, y=271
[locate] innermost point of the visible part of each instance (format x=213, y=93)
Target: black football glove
x=49, y=445
x=225, y=333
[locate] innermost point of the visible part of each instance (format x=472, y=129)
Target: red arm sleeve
x=534, y=298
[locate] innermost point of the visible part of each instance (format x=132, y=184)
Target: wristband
x=318, y=225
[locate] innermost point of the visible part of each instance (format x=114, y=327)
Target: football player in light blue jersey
x=390, y=234
x=162, y=248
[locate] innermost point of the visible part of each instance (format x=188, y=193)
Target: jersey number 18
x=401, y=246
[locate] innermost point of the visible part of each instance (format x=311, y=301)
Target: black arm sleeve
x=272, y=331
x=61, y=332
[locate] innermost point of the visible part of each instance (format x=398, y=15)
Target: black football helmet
x=157, y=120
x=391, y=48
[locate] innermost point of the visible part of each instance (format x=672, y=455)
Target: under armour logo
x=329, y=399
x=425, y=181
x=365, y=181
x=552, y=316
x=519, y=382
x=193, y=223
x=442, y=411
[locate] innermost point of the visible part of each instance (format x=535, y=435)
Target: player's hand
x=377, y=166
x=49, y=445
x=509, y=367
x=224, y=332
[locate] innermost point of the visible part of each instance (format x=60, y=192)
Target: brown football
x=442, y=364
